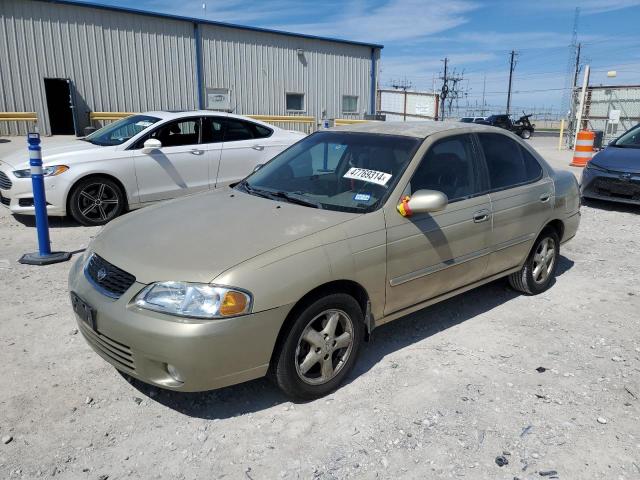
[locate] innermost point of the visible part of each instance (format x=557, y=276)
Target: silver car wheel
x=98, y=201
x=324, y=347
x=544, y=260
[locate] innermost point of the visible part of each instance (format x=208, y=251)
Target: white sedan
x=142, y=159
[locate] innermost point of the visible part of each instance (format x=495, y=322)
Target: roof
x=413, y=129
x=79, y=3
x=176, y=114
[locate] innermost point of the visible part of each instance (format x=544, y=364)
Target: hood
x=74, y=148
x=196, y=238
x=619, y=159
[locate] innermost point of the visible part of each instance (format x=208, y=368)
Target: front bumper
x=19, y=197
x=612, y=186
x=208, y=354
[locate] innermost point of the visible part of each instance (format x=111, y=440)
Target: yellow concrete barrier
x=18, y=116
x=283, y=118
x=98, y=116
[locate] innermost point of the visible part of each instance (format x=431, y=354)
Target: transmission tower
x=567, y=104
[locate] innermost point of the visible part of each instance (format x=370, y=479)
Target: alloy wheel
x=324, y=347
x=544, y=260
x=98, y=202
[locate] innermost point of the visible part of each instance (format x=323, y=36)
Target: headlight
x=196, y=300
x=50, y=171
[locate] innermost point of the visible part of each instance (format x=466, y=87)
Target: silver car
x=288, y=272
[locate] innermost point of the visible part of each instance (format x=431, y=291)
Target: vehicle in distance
x=471, y=119
x=142, y=159
x=614, y=173
x=288, y=271
x=521, y=127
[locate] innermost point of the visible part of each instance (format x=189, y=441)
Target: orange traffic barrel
x=583, y=149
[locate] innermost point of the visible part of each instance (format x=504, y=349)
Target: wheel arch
x=557, y=225
x=96, y=175
x=349, y=287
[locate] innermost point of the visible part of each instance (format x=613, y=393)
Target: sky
x=476, y=36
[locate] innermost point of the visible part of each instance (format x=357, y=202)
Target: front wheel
x=321, y=347
x=540, y=268
x=96, y=200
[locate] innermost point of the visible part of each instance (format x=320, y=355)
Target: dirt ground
x=439, y=394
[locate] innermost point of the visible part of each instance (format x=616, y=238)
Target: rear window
x=509, y=163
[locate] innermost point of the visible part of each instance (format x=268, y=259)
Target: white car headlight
x=50, y=171
x=196, y=300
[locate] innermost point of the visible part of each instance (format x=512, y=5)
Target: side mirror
x=423, y=201
x=151, y=144
x=258, y=167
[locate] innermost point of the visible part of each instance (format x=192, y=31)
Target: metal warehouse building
x=65, y=59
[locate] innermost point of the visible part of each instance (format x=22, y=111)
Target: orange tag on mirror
x=403, y=207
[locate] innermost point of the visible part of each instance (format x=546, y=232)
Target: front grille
x=614, y=187
x=107, y=278
x=119, y=353
x=5, y=182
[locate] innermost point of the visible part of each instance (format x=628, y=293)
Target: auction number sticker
x=372, y=176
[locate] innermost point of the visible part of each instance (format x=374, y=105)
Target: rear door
x=179, y=167
x=521, y=197
x=432, y=253
x=245, y=146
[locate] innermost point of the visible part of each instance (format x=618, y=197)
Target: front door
x=521, y=196
x=180, y=167
x=432, y=253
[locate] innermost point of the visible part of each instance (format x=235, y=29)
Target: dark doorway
x=60, y=106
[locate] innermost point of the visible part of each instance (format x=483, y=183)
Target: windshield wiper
x=253, y=191
x=297, y=200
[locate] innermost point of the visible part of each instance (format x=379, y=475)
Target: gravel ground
x=549, y=383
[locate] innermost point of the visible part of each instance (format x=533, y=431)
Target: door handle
x=258, y=147
x=195, y=151
x=545, y=197
x=481, y=216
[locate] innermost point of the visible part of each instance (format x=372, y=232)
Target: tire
x=310, y=362
x=526, y=134
x=96, y=201
x=538, y=272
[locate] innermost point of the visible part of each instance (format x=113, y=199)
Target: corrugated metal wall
x=260, y=68
x=117, y=62
x=602, y=100
x=120, y=61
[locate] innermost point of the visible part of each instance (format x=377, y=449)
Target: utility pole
x=512, y=65
x=403, y=85
x=577, y=69
x=444, y=92
x=484, y=88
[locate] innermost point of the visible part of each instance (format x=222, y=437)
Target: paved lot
x=439, y=394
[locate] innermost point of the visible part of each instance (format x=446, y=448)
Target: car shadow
x=260, y=394
x=54, y=222
x=4, y=140
x=610, y=206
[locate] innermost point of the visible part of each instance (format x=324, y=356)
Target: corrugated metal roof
x=79, y=3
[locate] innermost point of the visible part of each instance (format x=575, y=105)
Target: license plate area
x=85, y=311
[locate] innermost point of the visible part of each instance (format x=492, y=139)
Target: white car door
x=180, y=167
x=246, y=145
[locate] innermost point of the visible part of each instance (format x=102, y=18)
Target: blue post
x=44, y=255
x=39, y=198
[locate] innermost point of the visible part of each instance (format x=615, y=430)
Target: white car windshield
x=119, y=132
x=333, y=170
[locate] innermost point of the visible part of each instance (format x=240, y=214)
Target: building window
x=295, y=102
x=349, y=104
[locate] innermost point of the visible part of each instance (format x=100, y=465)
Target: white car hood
x=65, y=151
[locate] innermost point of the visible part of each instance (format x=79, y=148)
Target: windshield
x=119, y=132
x=344, y=171
x=630, y=139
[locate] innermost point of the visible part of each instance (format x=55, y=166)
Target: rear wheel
x=526, y=134
x=540, y=268
x=96, y=201
x=320, y=348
